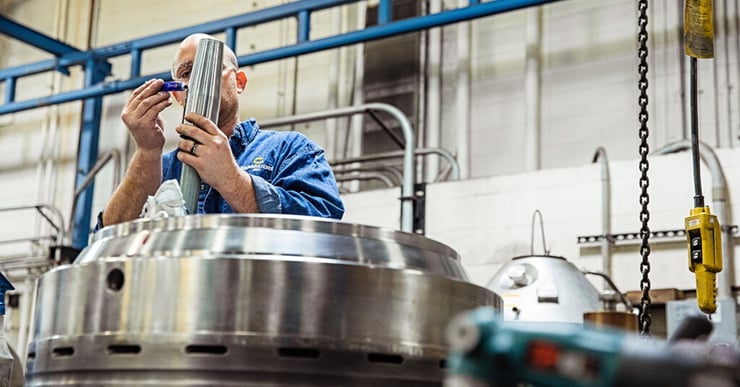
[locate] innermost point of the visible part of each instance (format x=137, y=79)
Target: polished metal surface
x=250, y=300
x=544, y=288
x=275, y=237
x=204, y=98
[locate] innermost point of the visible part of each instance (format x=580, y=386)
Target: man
x=242, y=168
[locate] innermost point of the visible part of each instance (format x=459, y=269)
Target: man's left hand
x=206, y=148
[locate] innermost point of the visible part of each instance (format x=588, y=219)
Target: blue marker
x=174, y=86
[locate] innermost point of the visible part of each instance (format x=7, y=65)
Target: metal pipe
x=385, y=169
x=462, y=95
x=720, y=202
x=358, y=93
x=536, y=214
x=533, y=90
x=407, y=187
x=613, y=286
x=333, y=84
x=433, y=126
x=112, y=154
x=455, y=168
x=366, y=176
x=204, y=97
x=57, y=225
x=606, y=242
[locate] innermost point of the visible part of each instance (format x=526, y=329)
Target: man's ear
x=241, y=81
x=179, y=97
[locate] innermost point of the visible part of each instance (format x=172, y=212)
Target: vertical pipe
x=333, y=76
x=682, y=73
x=88, y=145
x=304, y=26
x=204, y=97
x=728, y=76
x=358, y=96
x=231, y=38
x=434, y=94
x=718, y=122
x=135, y=63
x=10, y=89
x=605, y=214
x=385, y=11
x=532, y=87
x=462, y=95
x=737, y=49
x=47, y=176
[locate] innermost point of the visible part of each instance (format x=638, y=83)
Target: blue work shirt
x=290, y=174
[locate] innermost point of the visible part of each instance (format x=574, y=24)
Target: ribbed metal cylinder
x=204, y=97
x=250, y=300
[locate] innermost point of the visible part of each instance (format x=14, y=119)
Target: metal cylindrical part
x=204, y=97
x=250, y=299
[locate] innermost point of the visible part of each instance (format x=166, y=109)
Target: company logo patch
x=258, y=164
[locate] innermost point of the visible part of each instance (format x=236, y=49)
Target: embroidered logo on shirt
x=258, y=163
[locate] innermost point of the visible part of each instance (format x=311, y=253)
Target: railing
x=409, y=164
x=55, y=219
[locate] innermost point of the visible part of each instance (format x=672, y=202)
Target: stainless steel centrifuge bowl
x=250, y=300
x=274, y=237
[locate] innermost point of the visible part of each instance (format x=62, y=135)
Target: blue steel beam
x=35, y=38
x=125, y=48
x=371, y=33
x=87, y=154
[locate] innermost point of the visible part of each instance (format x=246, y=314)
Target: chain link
x=642, y=54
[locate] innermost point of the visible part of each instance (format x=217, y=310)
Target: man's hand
x=141, y=115
x=212, y=157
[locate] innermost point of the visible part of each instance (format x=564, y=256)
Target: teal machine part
x=487, y=351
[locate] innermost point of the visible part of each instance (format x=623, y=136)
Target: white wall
x=488, y=220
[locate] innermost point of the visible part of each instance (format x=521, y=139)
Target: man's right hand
x=141, y=115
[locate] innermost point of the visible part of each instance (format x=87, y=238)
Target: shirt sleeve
x=304, y=184
x=268, y=199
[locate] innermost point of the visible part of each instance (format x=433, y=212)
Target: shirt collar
x=245, y=132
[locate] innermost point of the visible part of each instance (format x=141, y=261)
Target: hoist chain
x=642, y=53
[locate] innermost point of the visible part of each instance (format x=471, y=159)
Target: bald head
x=183, y=61
x=233, y=80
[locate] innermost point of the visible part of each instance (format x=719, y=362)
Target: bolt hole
x=121, y=349
x=305, y=353
x=63, y=351
x=384, y=358
x=115, y=280
x=206, y=349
